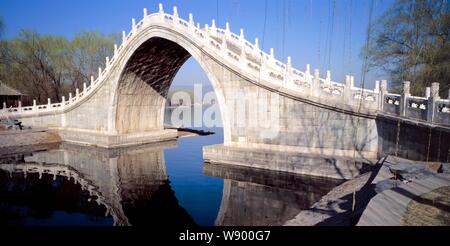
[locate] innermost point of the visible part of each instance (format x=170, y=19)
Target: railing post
x=383, y=91
x=376, y=89
x=107, y=62
x=161, y=12
x=77, y=93
x=175, y=15
x=242, y=42
x=124, y=37
x=348, y=89
x=4, y=105
x=34, y=104
x=49, y=102
x=272, y=54
x=145, y=14
x=256, y=45
x=404, y=97
x=161, y=9
x=432, y=101
x=115, y=50
x=227, y=29
x=133, y=26
x=92, y=80
x=191, y=22
x=20, y=107
x=308, y=78
x=287, y=72
x=213, y=27
x=225, y=37
x=63, y=102
x=316, y=83
x=84, y=87
x=448, y=96
x=70, y=97
x=99, y=72
x=328, y=79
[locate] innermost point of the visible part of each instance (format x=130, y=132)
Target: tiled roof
x=8, y=91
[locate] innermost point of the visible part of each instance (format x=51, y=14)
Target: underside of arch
x=144, y=84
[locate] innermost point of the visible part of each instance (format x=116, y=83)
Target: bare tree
x=89, y=50
x=410, y=41
x=44, y=66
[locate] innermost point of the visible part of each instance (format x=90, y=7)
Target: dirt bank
x=27, y=141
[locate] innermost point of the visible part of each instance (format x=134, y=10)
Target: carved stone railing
x=234, y=49
x=430, y=108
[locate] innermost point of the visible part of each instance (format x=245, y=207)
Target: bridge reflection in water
x=130, y=186
x=256, y=197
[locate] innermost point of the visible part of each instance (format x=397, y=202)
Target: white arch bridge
x=301, y=112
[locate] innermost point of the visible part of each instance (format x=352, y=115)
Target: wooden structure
x=9, y=96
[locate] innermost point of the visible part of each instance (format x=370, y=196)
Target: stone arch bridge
x=302, y=112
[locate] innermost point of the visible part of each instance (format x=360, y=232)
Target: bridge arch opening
x=144, y=83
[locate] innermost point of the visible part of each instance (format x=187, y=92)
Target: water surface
x=156, y=184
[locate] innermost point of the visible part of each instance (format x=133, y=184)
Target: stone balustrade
x=231, y=48
x=58, y=170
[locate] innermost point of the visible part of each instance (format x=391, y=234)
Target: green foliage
x=410, y=42
x=47, y=66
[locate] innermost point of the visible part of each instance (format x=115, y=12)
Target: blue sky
x=302, y=29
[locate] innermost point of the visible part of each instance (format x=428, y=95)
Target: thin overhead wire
x=327, y=37
x=350, y=38
x=264, y=25
x=283, y=37
x=217, y=11
x=366, y=46
x=263, y=34
x=345, y=40
x=346, y=53
x=331, y=36
x=319, y=39
x=363, y=75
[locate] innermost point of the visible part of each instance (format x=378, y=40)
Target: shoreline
x=30, y=140
x=26, y=141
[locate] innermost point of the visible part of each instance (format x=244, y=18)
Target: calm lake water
x=156, y=184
